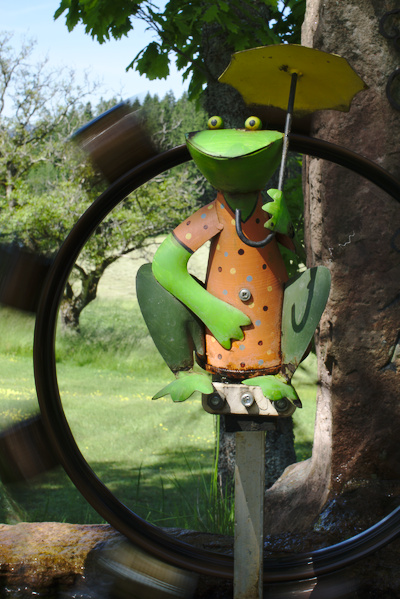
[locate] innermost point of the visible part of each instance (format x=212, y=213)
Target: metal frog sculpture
x=251, y=333
x=249, y=323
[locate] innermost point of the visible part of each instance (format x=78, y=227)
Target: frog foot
x=275, y=387
x=185, y=385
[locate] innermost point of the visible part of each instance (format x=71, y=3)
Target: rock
x=47, y=557
x=63, y=561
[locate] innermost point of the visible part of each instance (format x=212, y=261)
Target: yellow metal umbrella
x=298, y=79
x=263, y=76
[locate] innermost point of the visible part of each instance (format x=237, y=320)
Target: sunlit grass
x=157, y=457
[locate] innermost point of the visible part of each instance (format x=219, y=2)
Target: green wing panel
x=303, y=304
x=175, y=330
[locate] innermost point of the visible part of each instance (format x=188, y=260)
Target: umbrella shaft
x=288, y=125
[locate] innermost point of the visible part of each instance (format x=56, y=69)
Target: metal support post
x=249, y=513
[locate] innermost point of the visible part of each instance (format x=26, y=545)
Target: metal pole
x=288, y=126
x=249, y=515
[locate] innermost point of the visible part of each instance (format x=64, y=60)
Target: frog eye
x=215, y=122
x=253, y=123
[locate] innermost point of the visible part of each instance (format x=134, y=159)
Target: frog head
x=236, y=161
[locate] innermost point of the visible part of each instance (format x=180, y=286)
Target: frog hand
x=280, y=220
x=275, y=387
x=225, y=324
x=185, y=385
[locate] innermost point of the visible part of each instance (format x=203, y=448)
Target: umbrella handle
x=288, y=126
x=246, y=240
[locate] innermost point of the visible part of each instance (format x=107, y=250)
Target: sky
x=105, y=63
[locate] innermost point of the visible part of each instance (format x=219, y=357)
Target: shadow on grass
x=173, y=492
x=303, y=450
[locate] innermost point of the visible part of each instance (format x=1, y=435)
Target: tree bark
x=352, y=227
x=73, y=303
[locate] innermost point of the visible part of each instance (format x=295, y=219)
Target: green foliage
x=178, y=27
x=169, y=119
x=102, y=17
x=293, y=192
x=46, y=184
x=153, y=62
x=44, y=104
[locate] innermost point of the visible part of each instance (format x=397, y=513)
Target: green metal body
x=173, y=316
x=303, y=303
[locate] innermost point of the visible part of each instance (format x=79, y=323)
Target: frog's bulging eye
x=215, y=122
x=253, y=123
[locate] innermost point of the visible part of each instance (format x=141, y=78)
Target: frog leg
x=304, y=301
x=275, y=387
x=186, y=384
x=177, y=333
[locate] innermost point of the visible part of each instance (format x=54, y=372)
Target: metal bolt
x=247, y=399
x=215, y=401
x=281, y=405
x=245, y=294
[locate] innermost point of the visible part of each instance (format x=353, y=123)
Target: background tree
x=46, y=183
x=40, y=102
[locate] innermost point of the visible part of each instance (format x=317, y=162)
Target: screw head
x=215, y=401
x=247, y=399
x=281, y=405
x=244, y=294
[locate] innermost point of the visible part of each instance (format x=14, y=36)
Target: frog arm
x=170, y=269
x=279, y=220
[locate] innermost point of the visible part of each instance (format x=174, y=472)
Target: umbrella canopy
x=263, y=76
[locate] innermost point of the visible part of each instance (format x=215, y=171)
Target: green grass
x=155, y=456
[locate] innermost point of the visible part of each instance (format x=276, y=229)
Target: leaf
x=196, y=84
x=224, y=6
x=211, y=14
x=154, y=63
x=65, y=4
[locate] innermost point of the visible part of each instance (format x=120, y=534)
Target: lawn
x=156, y=456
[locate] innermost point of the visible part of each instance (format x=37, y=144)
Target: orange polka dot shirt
x=236, y=272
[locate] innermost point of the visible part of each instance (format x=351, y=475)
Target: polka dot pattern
x=199, y=227
x=234, y=266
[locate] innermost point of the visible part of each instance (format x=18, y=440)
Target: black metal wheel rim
x=142, y=533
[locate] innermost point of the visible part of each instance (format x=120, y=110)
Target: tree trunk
x=224, y=101
x=73, y=303
x=69, y=315
x=352, y=227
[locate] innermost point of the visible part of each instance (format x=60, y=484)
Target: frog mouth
x=236, y=160
x=231, y=143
